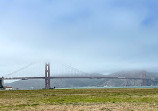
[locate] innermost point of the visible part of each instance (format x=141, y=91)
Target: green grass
x=21, y=99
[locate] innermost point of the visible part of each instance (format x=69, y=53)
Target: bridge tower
x=144, y=78
x=47, y=75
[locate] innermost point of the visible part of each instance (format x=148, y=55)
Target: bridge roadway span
x=79, y=77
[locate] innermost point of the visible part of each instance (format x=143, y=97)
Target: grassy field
x=80, y=100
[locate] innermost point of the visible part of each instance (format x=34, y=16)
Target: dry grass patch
x=96, y=107
x=80, y=100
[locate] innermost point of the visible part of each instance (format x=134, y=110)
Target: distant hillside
x=70, y=83
x=58, y=83
x=133, y=73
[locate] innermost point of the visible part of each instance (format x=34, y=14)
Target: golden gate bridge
x=70, y=73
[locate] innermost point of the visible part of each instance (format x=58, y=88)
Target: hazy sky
x=92, y=35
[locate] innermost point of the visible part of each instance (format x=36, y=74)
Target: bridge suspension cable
x=75, y=70
x=23, y=68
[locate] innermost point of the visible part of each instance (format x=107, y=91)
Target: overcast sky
x=92, y=35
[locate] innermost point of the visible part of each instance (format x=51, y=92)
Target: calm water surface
x=110, y=87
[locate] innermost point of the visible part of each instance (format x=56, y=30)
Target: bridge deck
x=79, y=77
